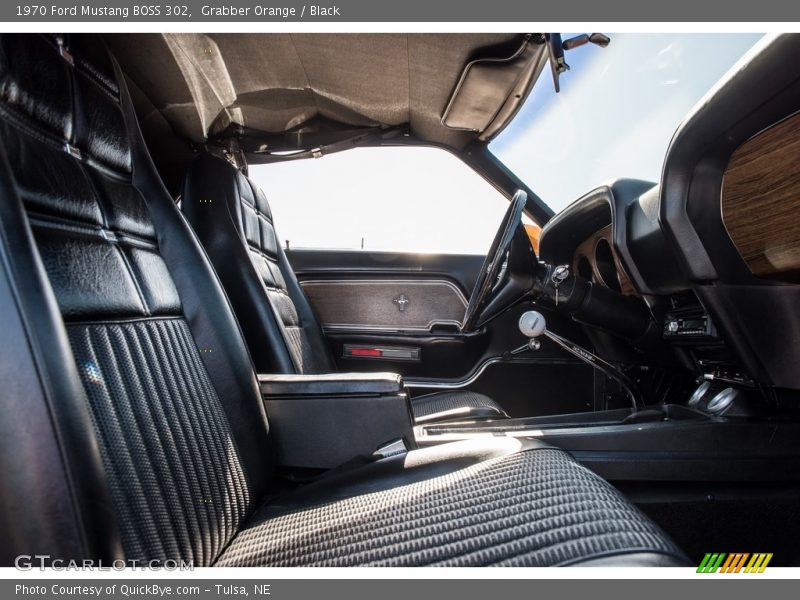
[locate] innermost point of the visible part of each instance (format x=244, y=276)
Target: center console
x=717, y=433
x=324, y=421
x=671, y=443
x=723, y=386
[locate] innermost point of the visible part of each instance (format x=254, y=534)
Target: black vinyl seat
x=132, y=424
x=233, y=221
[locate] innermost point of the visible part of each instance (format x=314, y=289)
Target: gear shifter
x=532, y=324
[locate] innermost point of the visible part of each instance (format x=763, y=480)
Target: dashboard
x=609, y=237
x=713, y=249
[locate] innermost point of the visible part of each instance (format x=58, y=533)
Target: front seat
x=233, y=220
x=132, y=425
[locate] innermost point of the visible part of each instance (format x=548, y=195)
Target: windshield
x=616, y=112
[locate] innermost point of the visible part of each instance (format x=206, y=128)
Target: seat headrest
x=38, y=90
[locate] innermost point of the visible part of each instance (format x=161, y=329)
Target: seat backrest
x=131, y=423
x=233, y=221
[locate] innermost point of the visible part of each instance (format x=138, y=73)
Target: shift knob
x=532, y=324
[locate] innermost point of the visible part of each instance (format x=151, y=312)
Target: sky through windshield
x=616, y=112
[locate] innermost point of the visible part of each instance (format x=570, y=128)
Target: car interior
x=614, y=384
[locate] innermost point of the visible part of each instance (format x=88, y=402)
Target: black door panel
x=359, y=298
x=394, y=300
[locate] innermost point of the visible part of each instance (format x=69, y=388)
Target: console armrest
x=331, y=384
x=322, y=421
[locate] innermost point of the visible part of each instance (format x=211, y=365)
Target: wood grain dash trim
x=761, y=201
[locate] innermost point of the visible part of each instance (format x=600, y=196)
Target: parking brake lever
x=533, y=325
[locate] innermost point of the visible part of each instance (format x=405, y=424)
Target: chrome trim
x=445, y=384
x=601, y=365
x=453, y=385
x=426, y=436
x=342, y=328
x=407, y=281
x=721, y=401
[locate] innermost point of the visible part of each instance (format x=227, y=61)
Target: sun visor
x=491, y=90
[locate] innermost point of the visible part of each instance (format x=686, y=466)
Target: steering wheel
x=491, y=269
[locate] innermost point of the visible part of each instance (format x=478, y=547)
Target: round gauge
x=605, y=265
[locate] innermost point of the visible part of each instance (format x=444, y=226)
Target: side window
x=398, y=199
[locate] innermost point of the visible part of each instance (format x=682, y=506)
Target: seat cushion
x=456, y=404
x=530, y=506
x=158, y=441
x=152, y=445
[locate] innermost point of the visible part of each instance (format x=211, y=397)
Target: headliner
x=193, y=85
